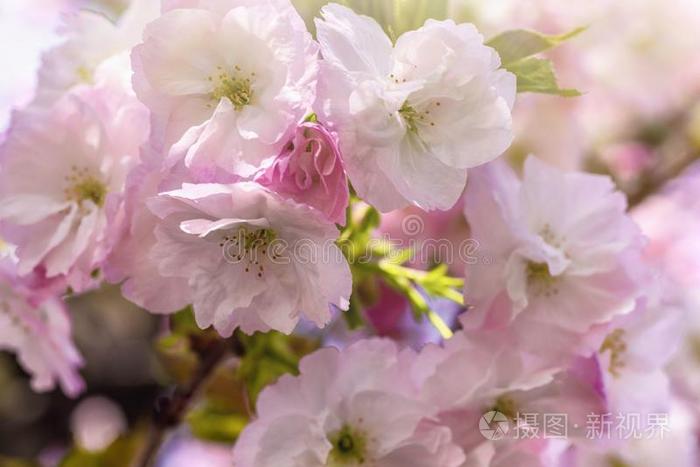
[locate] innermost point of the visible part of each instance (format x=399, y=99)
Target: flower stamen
x=540, y=279
x=617, y=346
x=250, y=246
x=83, y=186
x=349, y=447
x=507, y=406
x=238, y=90
x=413, y=118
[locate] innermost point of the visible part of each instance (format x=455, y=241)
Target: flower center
x=233, y=87
x=83, y=186
x=413, y=118
x=84, y=74
x=507, y=406
x=614, y=461
x=349, y=447
x=617, y=346
x=250, y=247
x=540, y=280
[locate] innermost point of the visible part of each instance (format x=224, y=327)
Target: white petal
x=55, y=230
x=28, y=209
x=353, y=42
x=421, y=178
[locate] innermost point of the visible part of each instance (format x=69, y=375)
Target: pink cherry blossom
x=62, y=170
x=38, y=331
x=670, y=220
x=412, y=117
x=633, y=355
x=351, y=407
x=94, y=51
x=556, y=249
x=497, y=375
x=248, y=257
x=233, y=78
x=310, y=170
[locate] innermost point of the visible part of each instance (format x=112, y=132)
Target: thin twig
x=169, y=411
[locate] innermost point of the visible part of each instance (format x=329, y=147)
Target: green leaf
x=517, y=48
x=521, y=43
x=269, y=356
x=537, y=75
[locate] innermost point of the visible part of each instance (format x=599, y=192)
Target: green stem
x=403, y=279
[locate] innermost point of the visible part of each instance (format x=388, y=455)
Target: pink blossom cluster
x=566, y=338
x=160, y=154
x=202, y=153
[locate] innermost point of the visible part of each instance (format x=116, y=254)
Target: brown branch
x=170, y=410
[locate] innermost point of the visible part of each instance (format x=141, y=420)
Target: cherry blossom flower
x=670, y=220
x=62, y=168
x=38, y=330
x=233, y=78
x=135, y=225
x=633, y=355
x=496, y=374
x=94, y=51
x=556, y=249
x=412, y=117
x=250, y=258
x=310, y=171
x=358, y=406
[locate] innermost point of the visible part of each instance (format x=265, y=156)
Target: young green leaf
x=537, y=75
x=520, y=43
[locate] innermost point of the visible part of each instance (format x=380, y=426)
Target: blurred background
x=638, y=67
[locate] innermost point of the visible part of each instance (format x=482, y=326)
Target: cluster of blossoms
x=559, y=327
x=201, y=152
